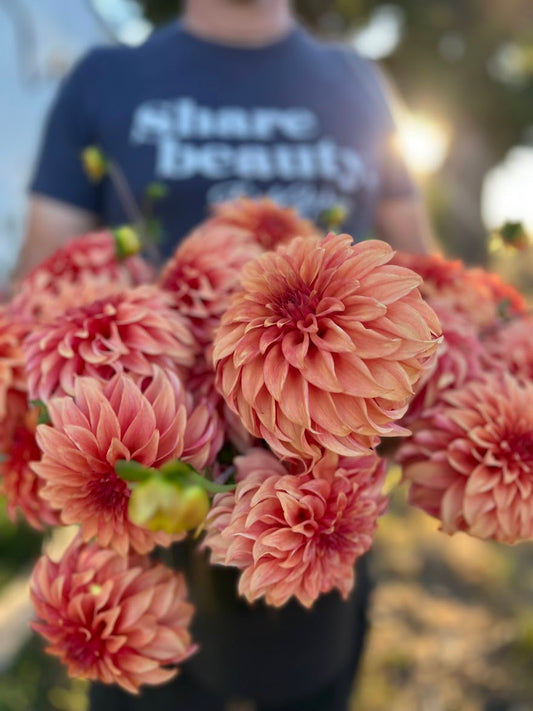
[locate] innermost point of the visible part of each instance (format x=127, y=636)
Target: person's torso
x=298, y=121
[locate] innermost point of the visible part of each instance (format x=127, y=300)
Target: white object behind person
x=39, y=43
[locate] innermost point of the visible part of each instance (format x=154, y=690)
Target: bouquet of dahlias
x=240, y=397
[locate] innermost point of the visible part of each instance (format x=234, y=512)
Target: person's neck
x=253, y=23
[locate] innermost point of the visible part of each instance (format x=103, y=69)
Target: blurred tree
x=467, y=62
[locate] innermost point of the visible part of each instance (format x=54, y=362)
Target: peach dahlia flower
x=85, y=268
x=296, y=534
x=323, y=345
x=112, y=619
x=470, y=464
x=205, y=271
x=269, y=223
x=126, y=332
x=102, y=423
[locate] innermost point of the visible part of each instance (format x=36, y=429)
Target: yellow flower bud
x=161, y=505
x=127, y=241
x=194, y=508
x=94, y=163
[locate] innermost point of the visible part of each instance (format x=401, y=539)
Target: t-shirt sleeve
x=69, y=128
x=395, y=180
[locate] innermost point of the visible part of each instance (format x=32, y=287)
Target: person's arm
x=64, y=203
x=400, y=215
x=403, y=222
x=50, y=223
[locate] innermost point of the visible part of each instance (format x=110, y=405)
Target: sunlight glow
x=423, y=142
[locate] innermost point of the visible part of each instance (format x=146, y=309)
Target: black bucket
x=286, y=659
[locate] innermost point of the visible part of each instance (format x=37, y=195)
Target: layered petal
x=18, y=482
x=470, y=462
x=112, y=619
x=127, y=332
x=102, y=423
x=204, y=272
x=323, y=345
x=85, y=269
x=296, y=534
x=269, y=223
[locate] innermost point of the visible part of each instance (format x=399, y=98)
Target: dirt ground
x=452, y=621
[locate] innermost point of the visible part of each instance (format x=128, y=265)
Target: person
x=234, y=98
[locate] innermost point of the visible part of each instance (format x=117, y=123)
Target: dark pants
x=289, y=659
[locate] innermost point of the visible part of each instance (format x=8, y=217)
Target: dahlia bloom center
x=83, y=647
x=515, y=451
x=110, y=493
x=95, y=320
x=303, y=309
x=274, y=225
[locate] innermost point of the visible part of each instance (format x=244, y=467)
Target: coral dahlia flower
x=87, y=262
x=322, y=346
x=18, y=483
x=102, y=423
x=510, y=349
x=205, y=271
x=12, y=373
x=296, y=534
x=112, y=619
x=470, y=464
x=126, y=332
x=460, y=360
x=269, y=223
x=482, y=297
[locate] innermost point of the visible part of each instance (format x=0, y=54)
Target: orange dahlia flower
x=84, y=265
x=18, y=483
x=102, y=423
x=322, y=346
x=269, y=223
x=204, y=272
x=470, y=464
x=296, y=535
x=482, y=297
x=112, y=619
x=126, y=332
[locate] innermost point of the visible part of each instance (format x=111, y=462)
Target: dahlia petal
x=320, y=369
x=391, y=283
x=296, y=406
x=295, y=347
x=275, y=372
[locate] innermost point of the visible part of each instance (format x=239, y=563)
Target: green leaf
x=44, y=417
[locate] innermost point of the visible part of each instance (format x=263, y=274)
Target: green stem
x=180, y=471
x=208, y=485
x=132, y=471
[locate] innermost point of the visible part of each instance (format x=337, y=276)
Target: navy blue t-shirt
x=301, y=121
